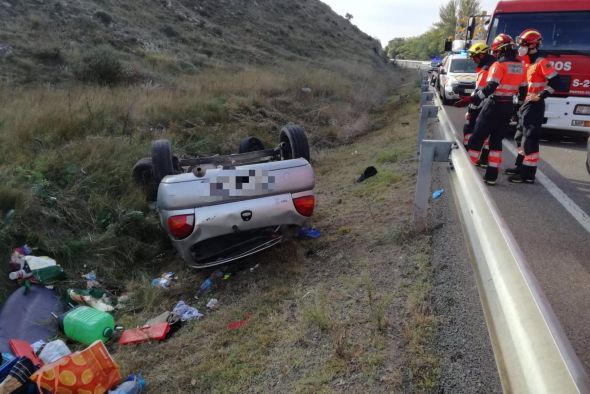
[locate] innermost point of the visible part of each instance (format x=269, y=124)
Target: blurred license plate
x=581, y=123
x=468, y=90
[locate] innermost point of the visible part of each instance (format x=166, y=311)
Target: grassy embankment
x=346, y=312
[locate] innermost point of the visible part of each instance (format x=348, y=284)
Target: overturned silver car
x=222, y=208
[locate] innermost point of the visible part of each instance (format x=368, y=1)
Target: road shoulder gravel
x=466, y=358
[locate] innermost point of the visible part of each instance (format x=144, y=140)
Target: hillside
x=49, y=41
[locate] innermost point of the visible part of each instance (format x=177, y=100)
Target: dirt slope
x=47, y=40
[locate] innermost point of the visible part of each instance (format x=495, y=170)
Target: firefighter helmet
x=478, y=49
x=502, y=42
x=530, y=38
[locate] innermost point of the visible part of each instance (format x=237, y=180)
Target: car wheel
x=143, y=175
x=294, y=143
x=162, y=160
x=250, y=144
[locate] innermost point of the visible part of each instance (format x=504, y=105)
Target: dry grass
x=337, y=314
x=66, y=154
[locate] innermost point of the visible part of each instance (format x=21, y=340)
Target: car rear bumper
x=240, y=217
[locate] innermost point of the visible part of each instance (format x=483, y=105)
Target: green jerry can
x=86, y=325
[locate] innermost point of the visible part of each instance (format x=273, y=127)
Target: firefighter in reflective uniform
x=542, y=80
x=506, y=79
x=480, y=56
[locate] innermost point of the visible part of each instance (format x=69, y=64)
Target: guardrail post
x=430, y=151
x=426, y=96
x=427, y=111
x=425, y=86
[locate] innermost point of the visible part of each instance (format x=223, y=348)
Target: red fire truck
x=565, y=26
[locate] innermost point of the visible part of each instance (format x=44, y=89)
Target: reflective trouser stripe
x=486, y=144
x=474, y=155
x=532, y=160
x=495, y=158
x=466, y=138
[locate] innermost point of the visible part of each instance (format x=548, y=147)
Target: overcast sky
x=386, y=19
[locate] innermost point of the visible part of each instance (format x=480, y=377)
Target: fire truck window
x=560, y=30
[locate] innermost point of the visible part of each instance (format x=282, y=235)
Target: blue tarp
x=28, y=316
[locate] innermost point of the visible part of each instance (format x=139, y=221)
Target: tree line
x=453, y=18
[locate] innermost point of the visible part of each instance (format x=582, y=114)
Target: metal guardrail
x=532, y=352
x=419, y=64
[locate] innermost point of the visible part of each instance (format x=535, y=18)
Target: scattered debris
x=369, y=172
x=186, y=312
x=252, y=269
x=54, y=351
x=165, y=281
x=437, y=194
x=236, y=325
x=308, y=233
x=91, y=280
x=157, y=332
x=19, y=370
x=134, y=384
x=98, y=299
x=306, y=89
x=22, y=348
x=208, y=283
x=91, y=370
x=212, y=304
x=161, y=318
x=87, y=325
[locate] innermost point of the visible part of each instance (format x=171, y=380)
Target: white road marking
x=570, y=206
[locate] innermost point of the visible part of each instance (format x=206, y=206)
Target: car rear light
x=181, y=226
x=304, y=205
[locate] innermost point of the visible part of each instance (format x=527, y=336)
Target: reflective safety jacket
x=509, y=76
x=482, y=70
x=542, y=77
x=481, y=80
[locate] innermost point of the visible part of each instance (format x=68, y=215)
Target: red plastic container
x=23, y=348
x=156, y=332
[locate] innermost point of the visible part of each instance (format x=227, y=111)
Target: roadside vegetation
x=453, y=19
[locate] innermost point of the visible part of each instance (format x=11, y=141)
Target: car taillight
x=181, y=226
x=304, y=205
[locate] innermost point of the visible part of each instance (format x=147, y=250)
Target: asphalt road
x=553, y=232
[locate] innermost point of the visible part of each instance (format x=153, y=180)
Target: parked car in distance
x=219, y=209
x=456, y=78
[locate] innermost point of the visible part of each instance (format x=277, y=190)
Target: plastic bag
x=91, y=370
x=53, y=351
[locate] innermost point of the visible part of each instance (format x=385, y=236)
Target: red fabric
x=236, y=325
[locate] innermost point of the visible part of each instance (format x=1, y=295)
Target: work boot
x=526, y=175
x=512, y=171
x=518, y=178
x=491, y=176
x=517, y=166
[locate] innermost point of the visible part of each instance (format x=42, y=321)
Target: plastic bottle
x=86, y=325
x=133, y=385
x=208, y=283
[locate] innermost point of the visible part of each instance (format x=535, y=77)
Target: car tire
x=143, y=176
x=293, y=142
x=250, y=144
x=162, y=160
